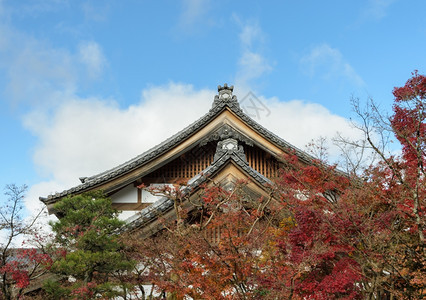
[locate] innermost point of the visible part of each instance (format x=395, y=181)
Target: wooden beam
x=130, y=206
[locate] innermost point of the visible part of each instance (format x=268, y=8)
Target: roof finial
x=225, y=87
x=225, y=96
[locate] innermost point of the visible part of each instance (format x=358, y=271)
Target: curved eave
x=147, y=156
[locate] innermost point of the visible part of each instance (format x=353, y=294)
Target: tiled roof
x=221, y=101
x=164, y=204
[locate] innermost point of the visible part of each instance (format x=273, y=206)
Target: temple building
x=223, y=146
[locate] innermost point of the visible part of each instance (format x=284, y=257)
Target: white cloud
x=377, y=9
x=92, y=57
x=85, y=136
x=41, y=79
x=39, y=75
x=36, y=8
x=97, y=11
x=252, y=64
x=193, y=11
x=329, y=63
x=299, y=122
x=34, y=70
x=250, y=34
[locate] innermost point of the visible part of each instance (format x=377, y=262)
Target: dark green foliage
x=89, y=253
x=54, y=290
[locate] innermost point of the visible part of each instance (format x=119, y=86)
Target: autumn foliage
x=315, y=232
x=318, y=233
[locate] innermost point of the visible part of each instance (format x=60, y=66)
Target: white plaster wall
x=127, y=195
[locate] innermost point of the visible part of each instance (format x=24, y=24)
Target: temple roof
x=223, y=156
x=224, y=100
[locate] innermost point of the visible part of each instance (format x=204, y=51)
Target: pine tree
x=90, y=259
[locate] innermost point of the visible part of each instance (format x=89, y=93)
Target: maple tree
x=408, y=124
x=374, y=227
x=19, y=266
x=321, y=233
x=183, y=260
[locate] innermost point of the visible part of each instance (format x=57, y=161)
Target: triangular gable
x=229, y=166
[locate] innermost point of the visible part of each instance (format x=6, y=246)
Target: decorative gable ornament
x=229, y=146
x=225, y=97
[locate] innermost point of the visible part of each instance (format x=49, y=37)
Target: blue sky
x=86, y=85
